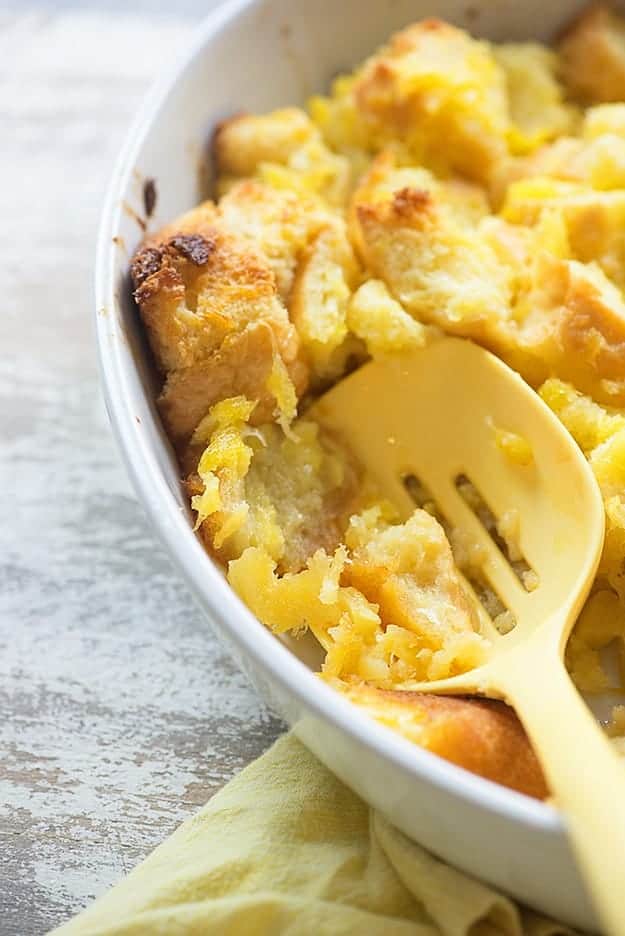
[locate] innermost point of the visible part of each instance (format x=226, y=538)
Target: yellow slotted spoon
x=433, y=414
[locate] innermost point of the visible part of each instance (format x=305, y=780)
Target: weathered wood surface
x=119, y=712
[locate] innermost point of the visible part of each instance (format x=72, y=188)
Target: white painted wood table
x=119, y=712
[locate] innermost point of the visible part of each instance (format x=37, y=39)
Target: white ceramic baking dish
x=256, y=56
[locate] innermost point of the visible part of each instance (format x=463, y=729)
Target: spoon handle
x=584, y=773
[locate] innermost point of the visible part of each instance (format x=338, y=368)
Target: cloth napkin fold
x=286, y=849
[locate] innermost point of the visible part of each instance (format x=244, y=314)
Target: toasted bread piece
x=244, y=141
x=440, y=270
x=592, y=54
x=440, y=93
x=195, y=289
x=214, y=318
x=573, y=327
x=323, y=284
x=483, y=736
x=283, y=149
x=242, y=364
x=307, y=247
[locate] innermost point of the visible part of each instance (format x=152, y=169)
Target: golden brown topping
x=483, y=736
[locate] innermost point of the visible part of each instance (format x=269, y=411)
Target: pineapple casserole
x=448, y=185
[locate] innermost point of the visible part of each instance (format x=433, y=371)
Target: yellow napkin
x=286, y=849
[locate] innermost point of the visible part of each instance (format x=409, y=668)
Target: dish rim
x=216, y=598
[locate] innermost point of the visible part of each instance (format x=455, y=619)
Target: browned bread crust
x=481, y=735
